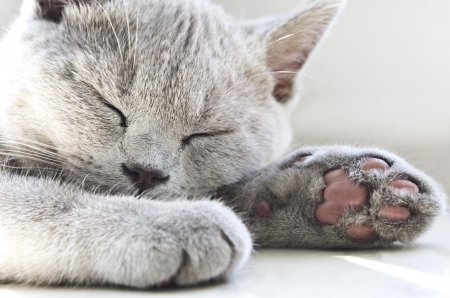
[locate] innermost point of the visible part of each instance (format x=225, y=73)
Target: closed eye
x=187, y=140
x=123, y=122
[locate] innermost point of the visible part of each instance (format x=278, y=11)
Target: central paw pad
x=342, y=194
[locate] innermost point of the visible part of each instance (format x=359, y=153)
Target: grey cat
x=141, y=141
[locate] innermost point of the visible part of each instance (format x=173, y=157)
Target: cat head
x=161, y=96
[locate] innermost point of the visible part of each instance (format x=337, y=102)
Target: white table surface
x=422, y=270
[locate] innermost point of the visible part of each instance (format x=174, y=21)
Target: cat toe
x=372, y=163
x=394, y=213
x=402, y=184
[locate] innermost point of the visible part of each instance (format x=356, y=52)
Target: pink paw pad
x=374, y=164
x=404, y=184
x=342, y=194
x=394, y=213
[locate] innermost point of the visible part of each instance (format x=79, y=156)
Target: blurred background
x=381, y=78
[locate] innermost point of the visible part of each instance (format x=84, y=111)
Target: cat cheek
x=263, y=208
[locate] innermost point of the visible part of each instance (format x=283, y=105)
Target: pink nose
x=145, y=178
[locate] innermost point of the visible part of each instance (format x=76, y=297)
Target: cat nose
x=145, y=178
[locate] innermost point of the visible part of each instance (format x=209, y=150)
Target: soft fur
x=91, y=90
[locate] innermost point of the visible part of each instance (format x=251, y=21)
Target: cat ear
x=52, y=10
x=288, y=41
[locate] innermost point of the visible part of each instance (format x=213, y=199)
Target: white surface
x=384, y=73
x=422, y=270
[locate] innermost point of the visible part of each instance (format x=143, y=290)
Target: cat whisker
x=131, y=189
x=287, y=72
x=112, y=27
x=112, y=189
x=290, y=35
x=37, y=150
x=14, y=147
x=311, y=77
x=245, y=82
x=28, y=154
x=7, y=137
x=31, y=154
x=48, y=172
x=21, y=168
x=83, y=181
x=69, y=177
x=128, y=27
x=10, y=156
x=271, y=72
x=136, y=40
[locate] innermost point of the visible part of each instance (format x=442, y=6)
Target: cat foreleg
x=51, y=233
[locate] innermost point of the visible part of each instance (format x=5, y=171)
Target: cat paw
x=341, y=194
x=197, y=242
x=373, y=197
x=342, y=197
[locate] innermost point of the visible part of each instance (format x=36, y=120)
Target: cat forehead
x=180, y=57
x=160, y=33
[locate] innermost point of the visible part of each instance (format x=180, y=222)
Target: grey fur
x=173, y=70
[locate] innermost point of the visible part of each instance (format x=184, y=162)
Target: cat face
x=161, y=97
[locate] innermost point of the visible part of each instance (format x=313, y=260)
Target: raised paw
x=341, y=197
x=342, y=194
x=374, y=197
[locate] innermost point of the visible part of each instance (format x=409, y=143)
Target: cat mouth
x=144, y=186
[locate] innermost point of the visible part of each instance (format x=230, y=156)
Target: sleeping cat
x=141, y=142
